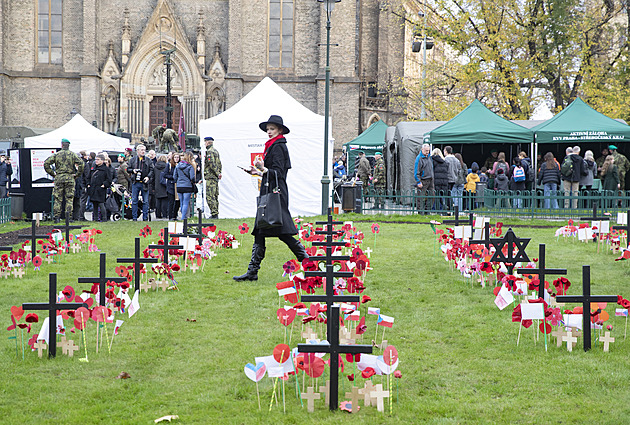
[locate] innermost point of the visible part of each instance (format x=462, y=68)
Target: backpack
x=519, y=174
x=502, y=165
x=531, y=174
x=567, y=167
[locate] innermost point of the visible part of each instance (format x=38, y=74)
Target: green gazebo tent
x=579, y=123
x=372, y=140
x=478, y=124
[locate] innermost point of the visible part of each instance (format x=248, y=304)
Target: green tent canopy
x=578, y=122
x=478, y=124
x=372, y=140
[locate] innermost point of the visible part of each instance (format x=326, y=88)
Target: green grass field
x=458, y=353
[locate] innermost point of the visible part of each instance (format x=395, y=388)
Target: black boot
x=258, y=253
x=297, y=249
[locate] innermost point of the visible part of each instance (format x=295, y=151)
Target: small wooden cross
x=71, y=347
x=606, y=339
x=62, y=344
x=308, y=334
x=75, y=247
x=162, y=284
x=346, y=337
x=354, y=397
x=194, y=267
x=366, y=391
x=310, y=396
x=367, y=251
x=144, y=287
x=152, y=284
x=18, y=272
x=48, y=259
x=325, y=389
x=570, y=340
x=379, y=395
x=40, y=346
x=5, y=273
x=558, y=334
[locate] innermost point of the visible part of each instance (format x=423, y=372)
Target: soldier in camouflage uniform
x=363, y=173
x=212, y=174
x=68, y=166
x=623, y=166
x=378, y=179
x=600, y=163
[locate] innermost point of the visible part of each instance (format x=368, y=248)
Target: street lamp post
x=329, y=5
x=423, y=113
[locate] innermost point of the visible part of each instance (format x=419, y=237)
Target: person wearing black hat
x=212, y=173
x=275, y=165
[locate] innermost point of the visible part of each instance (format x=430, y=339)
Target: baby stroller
x=114, y=203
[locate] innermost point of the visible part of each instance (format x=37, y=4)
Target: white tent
x=82, y=136
x=238, y=139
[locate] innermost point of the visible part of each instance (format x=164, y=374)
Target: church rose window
x=49, y=31
x=280, y=41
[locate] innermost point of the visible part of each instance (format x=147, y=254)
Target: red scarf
x=270, y=142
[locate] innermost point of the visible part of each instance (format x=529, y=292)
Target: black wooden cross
x=199, y=236
x=67, y=228
x=330, y=273
x=541, y=271
x=102, y=280
x=594, y=217
x=33, y=238
x=586, y=299
x=486, y=238
x=333, y=348
x=137, y=262
x=459, y=221
x=52, y=306
x=512, y=242
x=199, y=225
x=165, y=246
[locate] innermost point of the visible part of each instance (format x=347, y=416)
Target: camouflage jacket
x=379, y=172
x=212, y=164
x=65, y=162
x=622, y=163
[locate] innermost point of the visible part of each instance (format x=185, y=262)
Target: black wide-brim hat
x=277, y=120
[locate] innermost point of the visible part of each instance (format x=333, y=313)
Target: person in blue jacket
x=184, y=176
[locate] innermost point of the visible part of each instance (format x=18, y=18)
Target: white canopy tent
x=82, y=136
x=239, y=140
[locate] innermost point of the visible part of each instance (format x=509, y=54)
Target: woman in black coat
x=274, y=168
x=440, y=178
x=161, y=196
x=100, y=180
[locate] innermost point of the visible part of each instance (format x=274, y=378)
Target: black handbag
x=269, y=210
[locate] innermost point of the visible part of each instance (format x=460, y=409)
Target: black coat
x=99, y=176
x=440, y=173
x=277, y=162
x=160, y=189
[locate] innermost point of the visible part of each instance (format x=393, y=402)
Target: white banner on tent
x=239, y=140
x=15, y=165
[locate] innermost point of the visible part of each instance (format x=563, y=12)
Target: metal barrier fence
x=523, y=204
x=5, y=210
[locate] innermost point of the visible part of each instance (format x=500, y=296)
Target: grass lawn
x=458, y=353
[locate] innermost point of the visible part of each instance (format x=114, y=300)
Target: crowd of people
x=165, y=184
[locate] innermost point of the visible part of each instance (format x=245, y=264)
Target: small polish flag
x=354, y=316
x=286, y=291
x=374, y=310
x=385, y=321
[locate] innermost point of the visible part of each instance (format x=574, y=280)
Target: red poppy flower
x=33, y=341
x=562, y=284
x=308, y=319
x=98, y=231
x=32, y=318
x=25, y=326
x=397, y=374
x=625, y=303
x=365, y=299
x=368, y=372
x=175, y=267
x=289, y=267
x=351, y=377
x=37, y=261
x=243, y=228
x=361, y=327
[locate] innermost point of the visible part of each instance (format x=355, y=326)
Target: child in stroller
x=119, y=202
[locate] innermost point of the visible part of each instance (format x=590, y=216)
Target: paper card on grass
x=480, y=222
x=462, y=232
x=135, y=304
x=478, y=234
x=622, y=218
x=38, y=216
x=175, y=227
x=271, y=363
x=582, y=234
x=369, y=360
x=605, y=226
x=275, y=372
x=504, y=298
x=572, y=320
x=188, y=243
x=532, y=311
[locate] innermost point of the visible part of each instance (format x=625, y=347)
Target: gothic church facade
x=106, y=59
